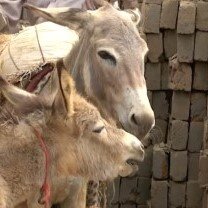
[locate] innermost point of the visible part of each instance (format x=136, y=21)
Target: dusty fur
x=81, y=144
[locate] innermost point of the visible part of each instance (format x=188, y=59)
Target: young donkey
x=79, y=141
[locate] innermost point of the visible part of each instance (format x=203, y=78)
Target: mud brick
x=128, y=206
x=194, y=195
x=201, y=46
x=128, y=190
x=159, y=194
x=180, y=105
x=113, y=191
x=140, y=5
x=143, y=190
x=203, y=169
x=160, y=163
x=180, y=78
x=142, y=206
x=177, y=78
x=169, y=14
x=154, y=2
x=177, y=194
x=193, y=166
x=145, y=167
x=149, y=95
x=114, y=206
x=205, y=199
x=155, y=45
x=202, y=16
x=178, y=165
x=152, y=18
x=186, y=17
x=160, y=105
x=185, y=48
x=142, y=34
x=205, y=136
x=159, y=132
x=195, y=136
x=207, y=109
x=153, y=76
x=200, y=81
x=165, y=74
x=198, y=106
x=178, y=135
x=170, y=42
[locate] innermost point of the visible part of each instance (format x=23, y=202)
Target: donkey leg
x=77, y=195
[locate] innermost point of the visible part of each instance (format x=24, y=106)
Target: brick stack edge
x=175, y=170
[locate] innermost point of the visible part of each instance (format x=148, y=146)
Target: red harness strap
x=35, y=79
x=45, y=197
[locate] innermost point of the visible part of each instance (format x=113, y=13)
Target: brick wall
x=177, y=79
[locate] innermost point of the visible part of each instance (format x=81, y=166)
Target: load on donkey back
x=107, y=63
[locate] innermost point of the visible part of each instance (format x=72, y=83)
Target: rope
x=41, y=51
x=39, y=46
x=46, y=189
x=10, y=55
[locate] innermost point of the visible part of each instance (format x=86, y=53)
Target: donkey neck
x=63, y=149
x=78, y=63
x=76, y=60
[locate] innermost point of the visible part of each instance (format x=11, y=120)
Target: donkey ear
x=63, y=97
x=135, y=15
x=73, y=18
x=67, y=85
x=20, y=99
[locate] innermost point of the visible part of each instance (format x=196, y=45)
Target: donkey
x=79, y=141
x=107, y=62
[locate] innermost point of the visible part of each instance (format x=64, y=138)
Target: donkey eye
x=105, y=55
x=98, y=129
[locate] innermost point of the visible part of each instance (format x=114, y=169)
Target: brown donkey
x=80, y=143
x=107, y=63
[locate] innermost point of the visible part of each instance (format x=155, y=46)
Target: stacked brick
x=175, y=170
x=184, y=77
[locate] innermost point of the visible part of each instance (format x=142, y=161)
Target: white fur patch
x=135, y=101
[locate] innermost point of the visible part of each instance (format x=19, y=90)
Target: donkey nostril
x=134, y=120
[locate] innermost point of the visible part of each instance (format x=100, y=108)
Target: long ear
x=59, y=94
x=20, y=99
x=73, y=18
x=68, y=88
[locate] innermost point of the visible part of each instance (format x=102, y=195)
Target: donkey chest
x=22, y=168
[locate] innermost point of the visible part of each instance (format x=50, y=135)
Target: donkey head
x=88, y=145
x=109, y=62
